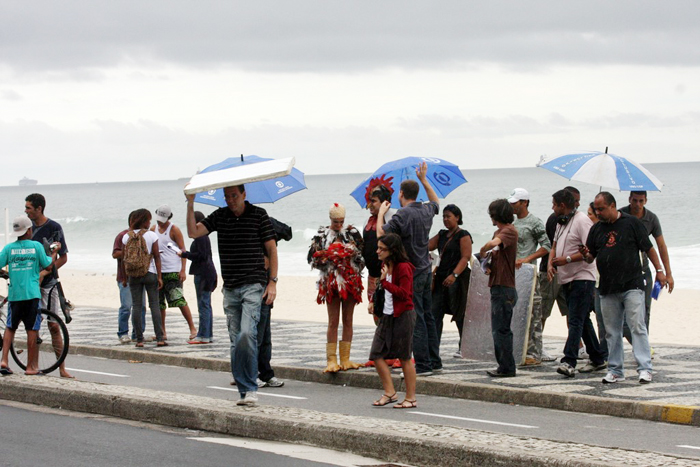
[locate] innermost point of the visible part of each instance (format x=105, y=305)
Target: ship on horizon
x=27, y=182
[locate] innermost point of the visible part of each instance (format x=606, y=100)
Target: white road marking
x=260, y=393
x=98, y=373
x=307, y=453
x=472, y=419
x=687, y=446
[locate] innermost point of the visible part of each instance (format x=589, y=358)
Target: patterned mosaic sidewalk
x=302, y=344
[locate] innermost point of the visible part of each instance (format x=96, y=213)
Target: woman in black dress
x=451, y=277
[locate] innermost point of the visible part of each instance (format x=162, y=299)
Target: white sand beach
x=675, y=318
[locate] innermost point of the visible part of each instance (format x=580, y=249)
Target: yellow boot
x=345, y=362
x=331, y=358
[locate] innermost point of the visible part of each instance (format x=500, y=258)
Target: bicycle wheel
x=53, y=342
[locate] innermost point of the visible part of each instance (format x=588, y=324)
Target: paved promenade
x=301, y=345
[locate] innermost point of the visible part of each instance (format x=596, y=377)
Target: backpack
x=135, y=256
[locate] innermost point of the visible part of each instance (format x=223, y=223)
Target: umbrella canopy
x=257, y=192
x=443, y=176
x=604, y=170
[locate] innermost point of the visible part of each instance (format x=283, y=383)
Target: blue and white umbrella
x=604, y=170
x=265, y=191
x=443, y=176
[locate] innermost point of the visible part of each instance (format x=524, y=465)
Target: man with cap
x=26, y=259
x=531, y=234
x=173, y=267
x=47, y=231
x=245, y=236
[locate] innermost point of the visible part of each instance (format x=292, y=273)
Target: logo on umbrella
x=279, y=184
x=431, y=159
x=442, y=178
x=211, y=192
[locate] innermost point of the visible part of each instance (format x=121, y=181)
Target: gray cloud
x=10, y=95
x=146, y=150
x=316, y=35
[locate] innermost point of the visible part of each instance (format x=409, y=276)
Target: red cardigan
x=401, y=287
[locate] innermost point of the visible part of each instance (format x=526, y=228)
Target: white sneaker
x=644, y=377
x=249, y=399
x=546, y=357
x=125, y=339
x=457, y=354
x=260, y=383
x=612, y=378
x=274, y=382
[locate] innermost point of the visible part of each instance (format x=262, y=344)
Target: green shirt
x=26, y=258
x=531, y=236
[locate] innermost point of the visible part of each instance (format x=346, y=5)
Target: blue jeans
x=242, y=310
x=617, y=308
x=503, y=300
x=149, y=282
x=426, y=346
x=580, y=298
x=125, y=312
x=205, y=332
x=265, y=371
x=648, y=287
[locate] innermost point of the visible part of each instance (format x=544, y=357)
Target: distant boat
x=27, y=182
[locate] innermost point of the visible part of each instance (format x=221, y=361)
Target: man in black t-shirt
x=615, y=243
x=245, y=237
x=46, y=232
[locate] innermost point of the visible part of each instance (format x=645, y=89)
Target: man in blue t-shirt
x=25, y=259
x=47, y=231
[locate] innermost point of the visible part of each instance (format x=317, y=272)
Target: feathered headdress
x=379, y=181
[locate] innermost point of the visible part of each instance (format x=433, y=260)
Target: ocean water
x=93, y=213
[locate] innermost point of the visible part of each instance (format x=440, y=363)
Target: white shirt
x=388, y=299
x=150, y=238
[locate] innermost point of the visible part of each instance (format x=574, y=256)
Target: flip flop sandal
x=407, y=404
x=161, y=344
x=385, y=400
x=139, y=344
x=6, y=371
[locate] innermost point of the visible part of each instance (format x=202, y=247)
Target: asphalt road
x=34, y=436
x=517, y=420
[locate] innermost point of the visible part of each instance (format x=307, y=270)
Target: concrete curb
x=406, y=442
x=625, y=408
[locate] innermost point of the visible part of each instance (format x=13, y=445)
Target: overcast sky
x=115, y=91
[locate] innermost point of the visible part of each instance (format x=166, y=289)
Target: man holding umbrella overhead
x=245, y=237
x=412, y=223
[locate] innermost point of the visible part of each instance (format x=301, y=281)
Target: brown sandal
x=161, y=344
x=139, y=344
x=407, y=404
x=385, y=400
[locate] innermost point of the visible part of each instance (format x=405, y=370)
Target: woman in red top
x=394, y=335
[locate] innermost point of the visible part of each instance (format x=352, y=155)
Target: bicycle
x=50, y=356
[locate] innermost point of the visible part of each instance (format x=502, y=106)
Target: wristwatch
x=456, y=275
x=568, y=259
x=273, y=279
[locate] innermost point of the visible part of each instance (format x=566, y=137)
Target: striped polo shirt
x=241, y=244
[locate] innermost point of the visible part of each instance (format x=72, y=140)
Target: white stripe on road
x=471, y=419
x=260, y=393
x=307, y=453
x=98, y=373
x=687, y=446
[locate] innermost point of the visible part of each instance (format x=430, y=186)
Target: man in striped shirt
x=245, y=233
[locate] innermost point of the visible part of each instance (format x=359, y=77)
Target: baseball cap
x=519, y=194
x=20, y=225
x=163, y=213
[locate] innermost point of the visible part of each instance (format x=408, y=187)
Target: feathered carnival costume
x=338, y=258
